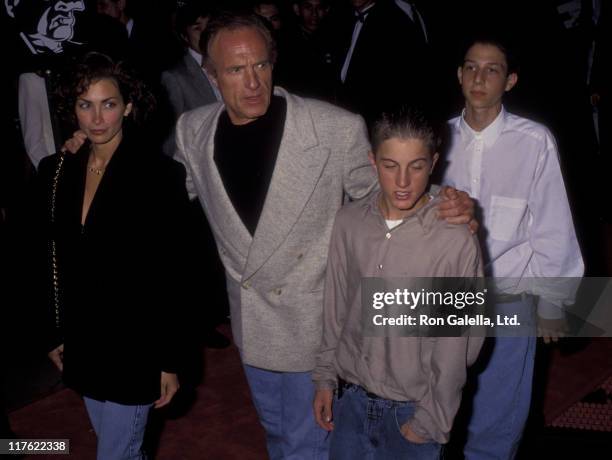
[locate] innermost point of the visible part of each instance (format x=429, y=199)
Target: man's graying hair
x=232, y=21
x=406, y=123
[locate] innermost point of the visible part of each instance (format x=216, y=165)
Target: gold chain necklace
x=97, y=171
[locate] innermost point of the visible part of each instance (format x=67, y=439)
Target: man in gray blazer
x=271, y=170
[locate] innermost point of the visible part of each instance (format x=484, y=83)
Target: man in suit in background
x=304, y=64
x=187, y=86
x=151, y=47
x=271, y=170
x=381, y=52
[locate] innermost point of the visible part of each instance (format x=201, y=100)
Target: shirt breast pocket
x=505, y=217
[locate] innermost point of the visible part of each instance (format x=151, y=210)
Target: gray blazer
x=186, y=88
x=275, y=278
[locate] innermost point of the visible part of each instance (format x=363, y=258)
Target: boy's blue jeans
x=369, y=429
x=500, y=405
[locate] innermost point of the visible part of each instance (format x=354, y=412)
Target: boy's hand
x=457, y=208
x=551, y=329
x=73, y=144
x=411, y=435
x=322, y=406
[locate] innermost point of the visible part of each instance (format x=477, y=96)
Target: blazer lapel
x=112, y=188
x=223, y=218
x=298, y=168
x=69, y=201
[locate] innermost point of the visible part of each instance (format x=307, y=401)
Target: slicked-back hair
x=227, y=20
x=406, y=122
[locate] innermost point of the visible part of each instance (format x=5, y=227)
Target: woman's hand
x=73, y=144
x=169, y=387
x=57, y=356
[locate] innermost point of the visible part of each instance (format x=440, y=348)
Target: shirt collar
x=363, y=14
x=195, y=55
x=489, y=135
x=423, y=217
x=406, y=8
x=129, y=26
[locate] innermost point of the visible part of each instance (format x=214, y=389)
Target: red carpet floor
x=571, y=378
x=221, y=424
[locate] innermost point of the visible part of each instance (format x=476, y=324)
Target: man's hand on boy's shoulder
x=322, y=406
x=411, y=435
x=457, y=208
x=73, y=144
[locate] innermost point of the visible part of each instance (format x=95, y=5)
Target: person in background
x=304, y=65
x=311, y=13
x=369, y=35
x=270, y=11
x=151, y=44
x=188, y=86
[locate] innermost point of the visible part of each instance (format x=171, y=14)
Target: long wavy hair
x=93, y=67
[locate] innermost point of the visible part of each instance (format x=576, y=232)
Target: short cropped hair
x=499, y=41
x=188, y=15
x=226, y=20
x=406, y=122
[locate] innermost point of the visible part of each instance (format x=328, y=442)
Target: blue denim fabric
x=120, y=429
x=369, y=429
x=283, y=401
x=500, y=405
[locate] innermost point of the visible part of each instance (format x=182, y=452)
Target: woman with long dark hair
x=114, y=218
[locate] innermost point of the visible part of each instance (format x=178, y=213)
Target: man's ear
x=434, y=159
x=128, y=110
x=460, y=74
x=511, y=80
x=372, y=159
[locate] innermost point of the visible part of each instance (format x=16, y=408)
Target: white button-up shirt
x=512, y=170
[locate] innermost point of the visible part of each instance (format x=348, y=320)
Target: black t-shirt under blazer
x=246, y=155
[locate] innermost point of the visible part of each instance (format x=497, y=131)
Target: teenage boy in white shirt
x=510, y=166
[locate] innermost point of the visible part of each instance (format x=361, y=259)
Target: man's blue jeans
x=369, y=429
x=283, y=401
x=120, y=429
